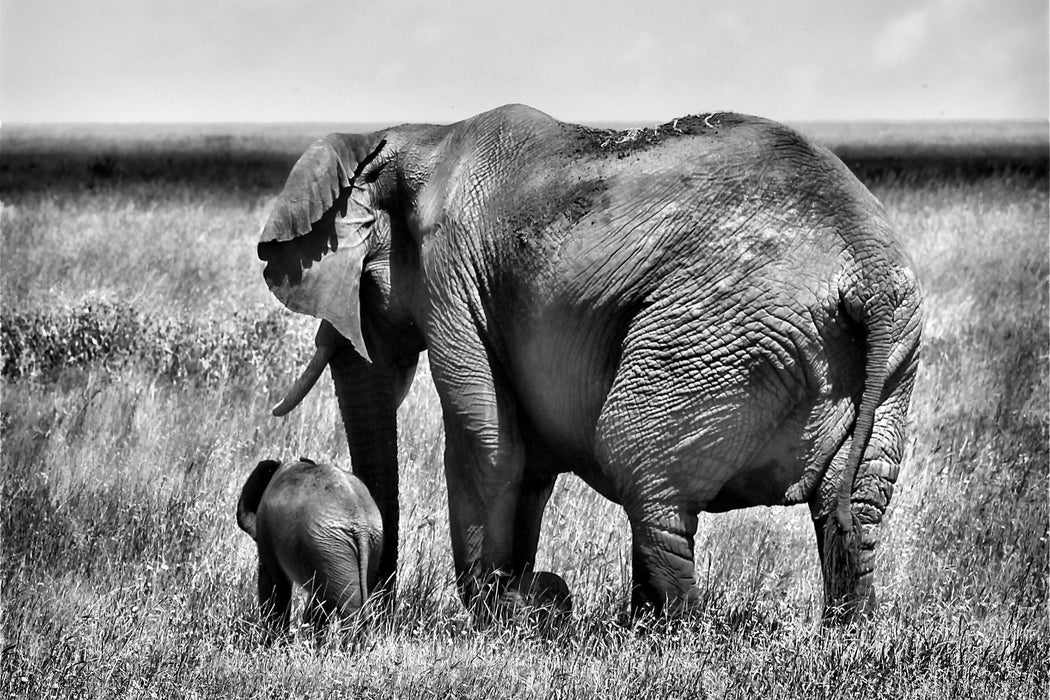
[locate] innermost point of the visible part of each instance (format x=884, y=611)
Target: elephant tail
x=876, y=318
x=364, y=552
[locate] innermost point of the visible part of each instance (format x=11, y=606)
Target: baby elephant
x=315, y=525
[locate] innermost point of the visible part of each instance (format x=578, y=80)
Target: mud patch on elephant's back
x=625, y=142
x=552, y=206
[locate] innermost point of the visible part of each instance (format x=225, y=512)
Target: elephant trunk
x=367, y=394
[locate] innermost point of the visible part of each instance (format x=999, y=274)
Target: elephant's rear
x=876, y=298
x=874, y=304
x=324, y=530
x=772, y=361
x=880, y=294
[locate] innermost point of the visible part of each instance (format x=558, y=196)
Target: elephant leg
x=541, y=597
x=483, y=487
x=318, y=613
x=848, y=559
x=484, y=452
x=543, y=593
x=275, y=599
x=338, y=588
x=533, y=495
x=846, y=593
x=344, y=582
x=663, y=572
x=687, y=414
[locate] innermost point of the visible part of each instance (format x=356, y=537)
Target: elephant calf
x=315, y=525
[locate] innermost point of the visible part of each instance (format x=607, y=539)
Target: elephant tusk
x=306, y=380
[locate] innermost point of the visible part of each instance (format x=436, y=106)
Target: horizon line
x=398, y=122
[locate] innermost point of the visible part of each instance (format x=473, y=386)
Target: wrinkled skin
x=711, y=315
x=316, y=526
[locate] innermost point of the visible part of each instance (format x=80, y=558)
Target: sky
x=590, y=61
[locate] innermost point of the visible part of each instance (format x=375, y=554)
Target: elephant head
x=708, y=315
x=314, y=525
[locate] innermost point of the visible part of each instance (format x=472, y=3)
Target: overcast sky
x=647, y=60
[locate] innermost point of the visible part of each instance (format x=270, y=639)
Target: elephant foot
x=543, y=589
x=540, y=597
x=849, y=596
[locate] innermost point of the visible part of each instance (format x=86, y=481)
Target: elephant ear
x=252, y=492
x=317, y=235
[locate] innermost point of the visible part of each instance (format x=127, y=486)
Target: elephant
x=315, y=525
x=707, y=315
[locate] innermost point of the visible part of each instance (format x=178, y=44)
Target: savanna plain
x=141, y=353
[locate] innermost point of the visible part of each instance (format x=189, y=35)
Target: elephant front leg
x=483, y=487
x=497, y=493
x=484, y=453
x=663, y=572
x=496, y=501
x=542, y=595
x=533, y=494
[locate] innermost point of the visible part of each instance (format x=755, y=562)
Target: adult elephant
x=708, y=315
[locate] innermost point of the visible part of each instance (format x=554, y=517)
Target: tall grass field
x=141, y=351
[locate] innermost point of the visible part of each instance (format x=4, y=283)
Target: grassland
x=141, y=351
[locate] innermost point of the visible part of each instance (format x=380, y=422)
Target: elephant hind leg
x=848, y=559
x=338, y=588
x=275, y=599
x=849, y=591
x=317, y=614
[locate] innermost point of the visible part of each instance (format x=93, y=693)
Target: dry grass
x=124, y=573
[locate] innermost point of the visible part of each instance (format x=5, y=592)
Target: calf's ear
x=252, y=492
